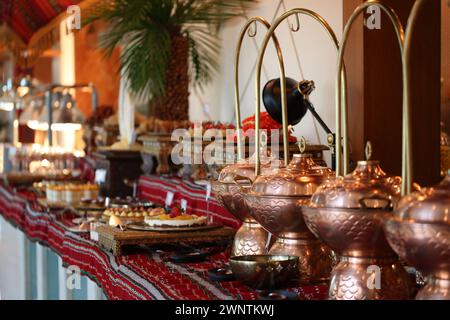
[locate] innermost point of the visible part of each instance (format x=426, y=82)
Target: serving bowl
x=347, y=214
x=264, y=271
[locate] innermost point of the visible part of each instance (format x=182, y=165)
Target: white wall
x=317, y=56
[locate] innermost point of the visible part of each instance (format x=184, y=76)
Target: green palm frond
x=143, y=29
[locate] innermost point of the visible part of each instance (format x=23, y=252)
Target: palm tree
x=166, y=44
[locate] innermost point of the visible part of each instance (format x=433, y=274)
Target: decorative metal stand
x=276, y=214
x=251, y=238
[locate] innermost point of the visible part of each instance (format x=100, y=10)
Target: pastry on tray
x=131, y=212
x=176, y=220
x=71, y=192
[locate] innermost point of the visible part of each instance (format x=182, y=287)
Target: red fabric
x=135, y=276
x=155, y=188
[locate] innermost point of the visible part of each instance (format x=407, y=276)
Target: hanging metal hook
x=302, y=145
x=368, y=150
x=253, y=31
x=297, y=24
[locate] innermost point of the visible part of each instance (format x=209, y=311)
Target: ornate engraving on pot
x=276, y=200
x=425, y=246
x=300, y=178
x=431, y=205
x=369, y=279
x=347, y=214
x=367, y=187
x=250, y=239
x=264, y=271
x=279, y=215
x=266, y=213
x=420, y=234
x=231, y=197
x=350, y=232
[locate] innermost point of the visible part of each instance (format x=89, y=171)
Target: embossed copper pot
x=420, y=234
x=273, y=200
x=347, y=213
x=251, y=238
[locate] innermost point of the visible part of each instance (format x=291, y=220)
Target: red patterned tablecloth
x=134, y=276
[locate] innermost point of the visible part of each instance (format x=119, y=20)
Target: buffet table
x=198, y=199
x=149, y=275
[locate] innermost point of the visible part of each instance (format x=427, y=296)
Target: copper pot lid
x=300, y=178
x=367, y=187
x=430, y=205
x=245, y=169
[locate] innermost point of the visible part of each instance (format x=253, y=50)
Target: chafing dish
x=347, y=214
x=276, y=200
x=420, y=234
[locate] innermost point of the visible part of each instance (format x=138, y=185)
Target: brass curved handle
x=407, y=153
x=398, y=28
x=276, y=23
x=247, y=28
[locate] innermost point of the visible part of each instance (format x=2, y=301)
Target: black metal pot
x=296, y=100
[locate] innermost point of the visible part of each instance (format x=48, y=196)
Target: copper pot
x=347, y=214
x=275, y=202
x=251, y=238
x=420, y=234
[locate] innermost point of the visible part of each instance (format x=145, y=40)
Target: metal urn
x=276, y=200
x=420, y=234
x=347, y=214
x=229, y=189
x=251, y=238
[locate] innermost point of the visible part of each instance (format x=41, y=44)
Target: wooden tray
x=142, y=226
x=114, y=239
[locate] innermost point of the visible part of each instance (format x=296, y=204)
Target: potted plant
x=165, y=46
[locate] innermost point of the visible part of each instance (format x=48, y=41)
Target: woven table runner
x=142, y=276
